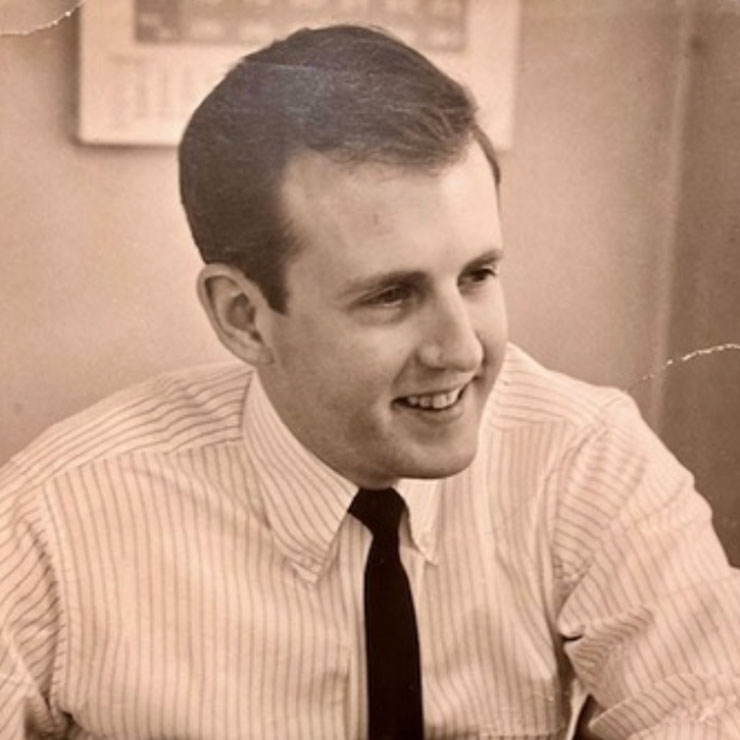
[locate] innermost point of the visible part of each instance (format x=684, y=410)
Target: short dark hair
x=356, y=94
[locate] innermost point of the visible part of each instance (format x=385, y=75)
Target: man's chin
x=441, y=466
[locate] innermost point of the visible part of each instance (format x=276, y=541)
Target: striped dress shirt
x=174, y=564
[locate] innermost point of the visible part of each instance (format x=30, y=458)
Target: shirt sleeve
x=649, y=608
x=29, y=614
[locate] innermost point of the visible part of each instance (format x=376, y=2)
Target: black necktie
x=392, y=642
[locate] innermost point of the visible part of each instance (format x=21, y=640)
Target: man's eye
x=390, y=297
x=480, y=275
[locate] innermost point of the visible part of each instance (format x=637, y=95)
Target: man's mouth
x=433, y=401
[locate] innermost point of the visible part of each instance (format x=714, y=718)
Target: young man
x=192, y=558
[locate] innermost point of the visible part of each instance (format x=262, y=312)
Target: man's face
x=395, y=324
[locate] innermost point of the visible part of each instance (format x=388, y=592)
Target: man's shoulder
x=173, y=411
x=528, y=394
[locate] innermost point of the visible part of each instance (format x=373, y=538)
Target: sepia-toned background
x=621, y=208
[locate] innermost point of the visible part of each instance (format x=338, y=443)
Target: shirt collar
x=306, y=501
x=422, y=498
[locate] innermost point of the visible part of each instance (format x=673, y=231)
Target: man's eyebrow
x=382, y=280
x=493, y=255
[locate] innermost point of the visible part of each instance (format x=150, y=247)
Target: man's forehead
x=310, y=174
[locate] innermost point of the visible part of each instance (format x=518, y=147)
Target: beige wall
x=97, y=269
x=701, y=415
x=590, y=183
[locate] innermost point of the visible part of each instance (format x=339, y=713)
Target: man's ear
x=236, y=309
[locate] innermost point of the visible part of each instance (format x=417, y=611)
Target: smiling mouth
x=433, y=401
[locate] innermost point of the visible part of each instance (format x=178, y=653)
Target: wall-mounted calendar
x=145, y=64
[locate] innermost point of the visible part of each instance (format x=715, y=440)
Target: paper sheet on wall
x=146, y=64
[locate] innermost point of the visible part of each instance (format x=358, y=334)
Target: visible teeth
x=434, y=400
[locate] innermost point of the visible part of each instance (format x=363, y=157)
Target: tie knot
x=380, y=511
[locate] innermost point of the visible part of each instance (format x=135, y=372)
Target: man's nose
x=450, y=341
